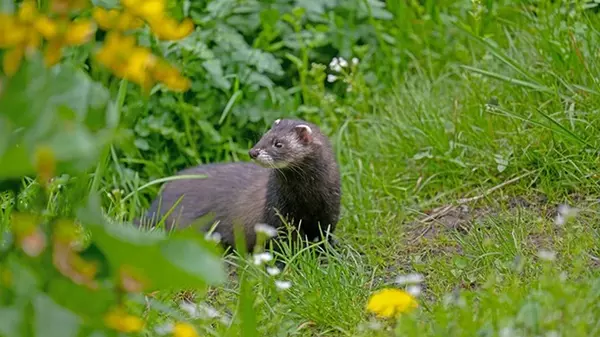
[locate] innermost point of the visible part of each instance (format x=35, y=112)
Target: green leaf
x=11, y=319
x=215, y=70
x=7, y=6
x=60, y=107
x=246, y=310
x=20, y=162
x=26, y=282
x=164, y=262
x=79, y=299
x=188, y=255
x=52, y=320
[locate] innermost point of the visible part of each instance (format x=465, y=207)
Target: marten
x=294, y=175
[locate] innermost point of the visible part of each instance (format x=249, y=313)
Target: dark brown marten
x=297, y=176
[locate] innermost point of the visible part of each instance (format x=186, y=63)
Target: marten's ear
x=276, y=122
x=304, y=133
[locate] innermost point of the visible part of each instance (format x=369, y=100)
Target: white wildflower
x=565, y=212
x=164, y=329
x=414, y=290
x=343, y=62
x=273, y=271
x=265, y=229
x=507, y=332
x=283, y=285
x=190, y=308
x=225, y=320
x=216, y=237
x=262, y=257
x=375, y=325
x=354, y=61
x=331, y=78
x=546, y=255
x=207, y=311
x=409, y=279
x=335, y=65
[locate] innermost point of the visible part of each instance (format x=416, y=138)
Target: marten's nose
x=253, y=153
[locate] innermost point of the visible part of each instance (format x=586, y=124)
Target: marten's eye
x=278, y=144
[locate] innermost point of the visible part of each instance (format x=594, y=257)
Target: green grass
x=514, y=128
x=454, y=170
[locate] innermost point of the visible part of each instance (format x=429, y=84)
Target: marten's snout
x=253, y=153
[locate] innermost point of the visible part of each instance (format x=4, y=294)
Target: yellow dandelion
x=391, y=302
x=118, y=319
x=182, y=329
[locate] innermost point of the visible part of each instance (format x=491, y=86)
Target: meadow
x=466, y=133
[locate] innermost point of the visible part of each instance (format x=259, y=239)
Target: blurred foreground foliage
x=67, y=270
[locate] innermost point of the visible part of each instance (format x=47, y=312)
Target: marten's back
x=233, y=191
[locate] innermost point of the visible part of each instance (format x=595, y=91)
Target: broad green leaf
x=11, y=319
x=70, y=113
x=164, y=261
x=79, y=299
x=188, y=255
x=215, y=70
x=25, y=280
x=7, y=6
x=18, y=162
x=52, y=320
x=17, y=103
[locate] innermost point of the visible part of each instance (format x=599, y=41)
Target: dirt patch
x=460, y=218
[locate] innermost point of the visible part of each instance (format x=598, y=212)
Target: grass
x=514, y=133
x=456, y=173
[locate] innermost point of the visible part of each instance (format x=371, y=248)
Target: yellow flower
x=137, y=69
x=169, y=29
x=12, y=60
x=18, y=34
x=45, y=163
x=391, y=302
x=67, y=34
x=11, y=31
x=146, y=9
x=115, y=51
x=114, y=19
x=28, y=11
x=23, y=32
x=118, y=319
x=182, y=329
x=137, y=64
x=171, y=77
x=79, y=32
x=46, y=27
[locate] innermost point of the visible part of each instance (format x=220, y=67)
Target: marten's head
x=287, y=144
